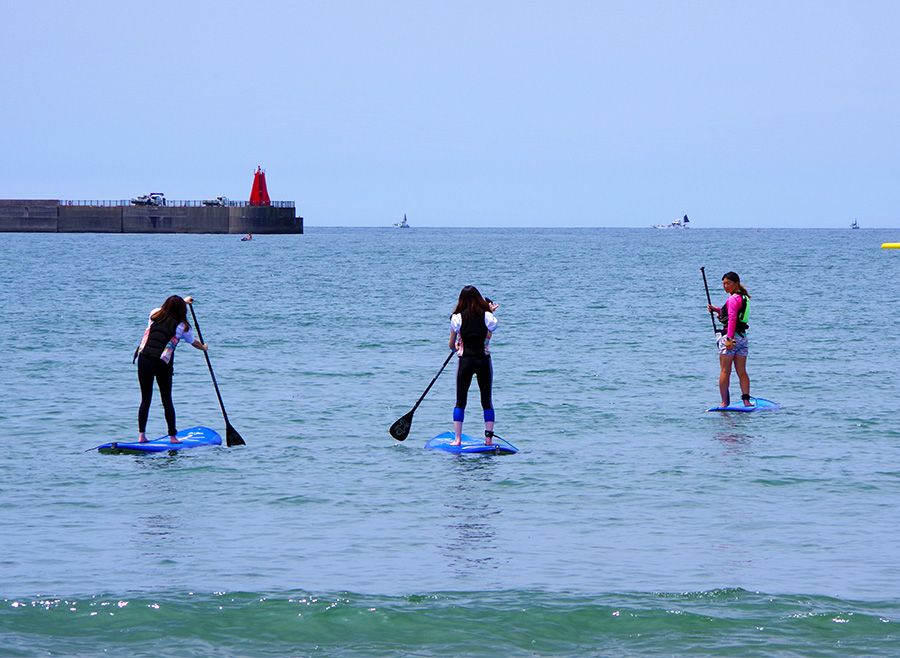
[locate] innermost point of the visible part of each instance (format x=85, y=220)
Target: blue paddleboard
x=194, y=437
x=759, y=404
x=470, y=446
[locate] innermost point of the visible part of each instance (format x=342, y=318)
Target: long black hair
x=470, y=301
x=734, y=278
x=175, y=308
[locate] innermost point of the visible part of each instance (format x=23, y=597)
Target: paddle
x=232, y=438
x=711, y=317
x=400, y=429
x=708, y=301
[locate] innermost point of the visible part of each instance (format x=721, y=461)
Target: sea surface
x=631, y=523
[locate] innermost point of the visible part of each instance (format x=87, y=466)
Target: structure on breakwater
x=152, y=213
x=54, y=216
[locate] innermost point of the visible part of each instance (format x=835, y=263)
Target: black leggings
x=148, y=370
x=481, y=367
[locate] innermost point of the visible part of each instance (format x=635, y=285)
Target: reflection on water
x=159, y=535
x=470, y=509
x=157, y=526
x=733, y=439
x=732, y=435
x=161, y=532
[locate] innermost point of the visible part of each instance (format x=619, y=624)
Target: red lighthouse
x=259, y=195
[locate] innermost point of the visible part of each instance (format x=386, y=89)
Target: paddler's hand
x=729, y=343
x=493, y=306
x=188, y=300
x=709, y=308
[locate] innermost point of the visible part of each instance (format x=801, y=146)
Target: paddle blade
x=400, y=429
x=232, y=438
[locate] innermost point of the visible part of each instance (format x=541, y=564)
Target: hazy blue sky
x=481, y=113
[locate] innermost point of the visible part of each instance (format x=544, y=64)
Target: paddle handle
x=708, y=301
x=209, y=364
x=446, y=361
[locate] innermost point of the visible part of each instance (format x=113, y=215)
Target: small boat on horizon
x=678, y=223
x=854, y=224
x=403, y=223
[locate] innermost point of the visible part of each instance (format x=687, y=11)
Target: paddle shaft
x=712, y=319
x=209, y=365
x=419, y=401
x=708, y=301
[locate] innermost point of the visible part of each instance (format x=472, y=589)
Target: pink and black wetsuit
x=732, y=316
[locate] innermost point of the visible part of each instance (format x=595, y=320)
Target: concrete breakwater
x=54, y=216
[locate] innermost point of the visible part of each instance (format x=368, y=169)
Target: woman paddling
x=166, y=327
x=733, y=345
x=471, y=326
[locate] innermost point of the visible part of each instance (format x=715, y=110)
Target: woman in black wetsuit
x=166, y=327
x=471, y=326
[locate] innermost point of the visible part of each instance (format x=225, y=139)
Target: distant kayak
x=470, y=446
x=195, y=437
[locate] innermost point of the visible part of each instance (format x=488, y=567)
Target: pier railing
x=170, y=204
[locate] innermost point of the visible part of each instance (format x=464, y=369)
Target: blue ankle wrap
x=459, y=415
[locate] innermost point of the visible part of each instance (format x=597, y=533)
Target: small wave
x=513, y=622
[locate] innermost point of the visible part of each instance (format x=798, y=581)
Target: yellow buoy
x=890, y=245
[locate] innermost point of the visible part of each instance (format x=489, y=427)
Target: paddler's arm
x=196, y=343
x=455, y=325
x=732, y=307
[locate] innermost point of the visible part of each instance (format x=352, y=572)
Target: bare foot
x=488, y=442
x=458, y=442
x=142, y=439
x=172, y=439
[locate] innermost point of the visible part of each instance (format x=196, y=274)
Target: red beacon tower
x=259, y=195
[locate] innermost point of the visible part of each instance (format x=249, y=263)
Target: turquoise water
x=631, y=523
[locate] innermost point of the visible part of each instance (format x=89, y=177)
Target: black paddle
x=711, y=316
x=232, y=438
x=400, y=429
x=708, y=301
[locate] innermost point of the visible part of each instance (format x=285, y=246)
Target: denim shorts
x=740, y=346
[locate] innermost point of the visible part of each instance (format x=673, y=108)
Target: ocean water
x=631, y=522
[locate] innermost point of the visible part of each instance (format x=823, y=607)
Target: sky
x=563, y=113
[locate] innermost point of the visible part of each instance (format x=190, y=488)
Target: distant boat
x=678, y=223
x=854, y=223
x=402, y=224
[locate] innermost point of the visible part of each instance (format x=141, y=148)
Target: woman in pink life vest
x=733, y=344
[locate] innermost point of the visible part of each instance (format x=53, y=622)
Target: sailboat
x=678, y=223
x=402, y=224
x=854, y=223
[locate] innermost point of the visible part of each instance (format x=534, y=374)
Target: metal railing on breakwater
x=113, y=203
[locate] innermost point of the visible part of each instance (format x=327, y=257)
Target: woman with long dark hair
x=166, y=327
x=733, y=344
x=472, y=324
